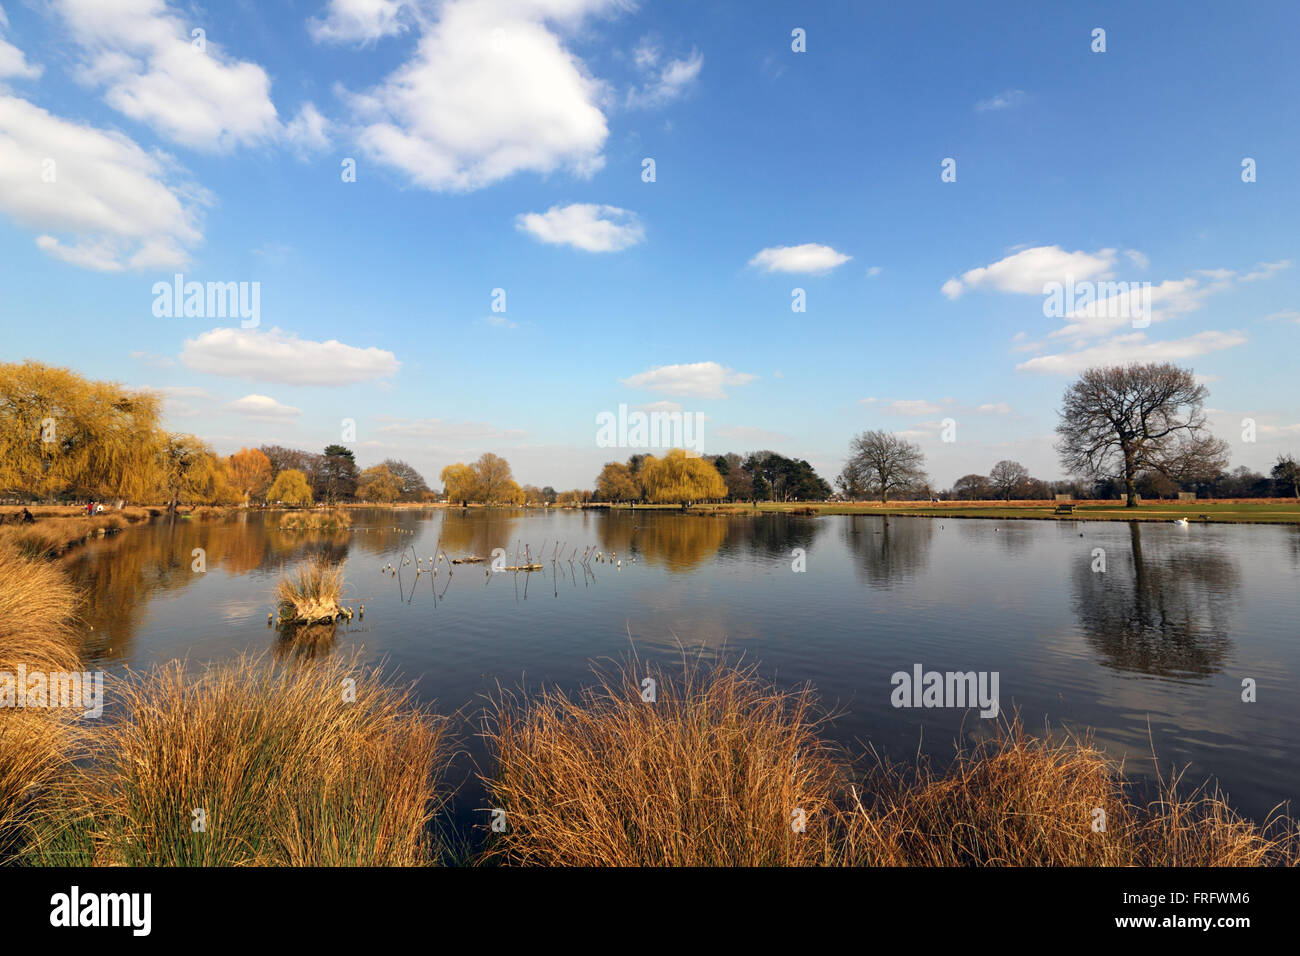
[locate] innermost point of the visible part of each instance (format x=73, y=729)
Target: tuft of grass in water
x=330, y=519
x=285, y=768
x=712, y=773
x=312, y=592
x=1018, y=800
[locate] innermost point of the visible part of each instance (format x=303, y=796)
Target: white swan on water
x=1181, y=522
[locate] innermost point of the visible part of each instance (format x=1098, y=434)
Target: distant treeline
x=66, y=437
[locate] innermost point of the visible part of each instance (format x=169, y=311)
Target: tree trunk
x=1130, y=489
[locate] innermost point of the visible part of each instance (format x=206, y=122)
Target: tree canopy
x=1119, y=421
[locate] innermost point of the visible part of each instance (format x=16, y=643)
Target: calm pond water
x=1150, y=652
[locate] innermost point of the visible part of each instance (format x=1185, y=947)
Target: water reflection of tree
x=889, y=549
x=1157, y=610
x=677, y=542
x=119, y=575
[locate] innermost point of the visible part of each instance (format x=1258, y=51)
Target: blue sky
x=499, y=144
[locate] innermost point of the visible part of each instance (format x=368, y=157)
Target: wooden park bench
x=1064, y=509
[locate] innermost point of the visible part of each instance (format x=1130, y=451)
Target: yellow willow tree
x=615, y=483
x=678, y=478
x=250, y=472
x=495, y=481
x=460, y=483
x=61, y=433
x=379, y=484
x=290, y=487
x=194, y=474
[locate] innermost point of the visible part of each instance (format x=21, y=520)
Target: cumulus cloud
x=695, y=380
x=1028, y=270
x=309, y=130
x=361, y=21
x=490, y=91
x=142, y=54
x=13, y=64
x=110, y=206
x=278, y=356
x=586, y=226
x=667, y=83
x=904, y=406
x=809, y=257
x=263, y=408
x=1133, y=347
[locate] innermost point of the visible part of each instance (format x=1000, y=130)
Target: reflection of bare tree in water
x=1156, y=610
x=889, y=549
x=771, y=535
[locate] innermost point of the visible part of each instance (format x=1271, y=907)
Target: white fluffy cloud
x=809, y=257
x=361, y=21
x=1028, y=270
x=263, y=408
x=309, y=130
x=1133, y=347
x=13, y=64
x=142, y=54
x=278, y=356
x=664, y=84
x=490, y=91
x=110, y=206
x=586, y=226
x=904, y=406
x=695, y=380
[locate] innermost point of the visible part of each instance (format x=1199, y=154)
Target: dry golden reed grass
x=331, y=519
x=37, y=607
x=312, y=592
x=709, y=774
x=287, y=770
x=37, y=750
x=1017, y=800
x=52, y=536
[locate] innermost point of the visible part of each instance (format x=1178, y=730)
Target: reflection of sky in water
x=1157, y=645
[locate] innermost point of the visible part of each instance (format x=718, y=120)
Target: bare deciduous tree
x=1008, y=478
x=1121, y=420
x=883, y=462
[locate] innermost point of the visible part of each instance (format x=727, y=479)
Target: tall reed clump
x=720, y=770
x=285, y=765
x=1017, y=800
x=329, y=519
x=37, y=605
x=53, y=535
x=312, y=592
